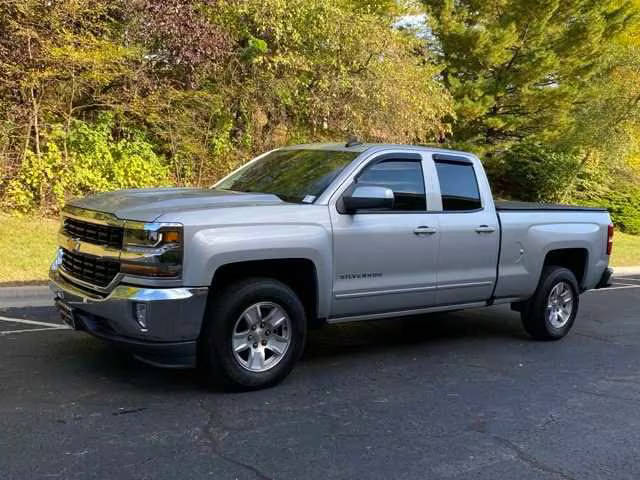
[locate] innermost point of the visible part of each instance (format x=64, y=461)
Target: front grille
x=90, y=269
x=94, y=232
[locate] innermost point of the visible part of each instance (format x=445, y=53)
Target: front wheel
x=551, y=312
x=254, y=333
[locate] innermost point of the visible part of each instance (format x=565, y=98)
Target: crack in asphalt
x=530, y=460
x=124, y=411
x=216, y=443
x=597, y=338
x=609, y=396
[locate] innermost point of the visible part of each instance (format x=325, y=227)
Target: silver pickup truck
x=230, y=278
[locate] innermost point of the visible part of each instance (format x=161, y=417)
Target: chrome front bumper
x=172, y=322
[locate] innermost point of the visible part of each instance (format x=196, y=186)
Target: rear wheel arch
x=573, y=259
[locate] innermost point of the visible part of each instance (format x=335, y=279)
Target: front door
x=385, y=261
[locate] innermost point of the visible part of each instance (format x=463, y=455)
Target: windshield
x=298, y=176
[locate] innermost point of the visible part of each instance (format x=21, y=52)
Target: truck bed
x=529, y=206
x=528, y=231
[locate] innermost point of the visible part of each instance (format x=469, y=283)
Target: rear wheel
x=253, y=334
x=551, y=312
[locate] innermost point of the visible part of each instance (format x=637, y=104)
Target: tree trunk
x=34, y=105
x=572, y=181
x=36, y=128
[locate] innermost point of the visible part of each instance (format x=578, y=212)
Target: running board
x=405, y=313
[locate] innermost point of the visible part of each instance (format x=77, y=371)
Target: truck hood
x=147, y=204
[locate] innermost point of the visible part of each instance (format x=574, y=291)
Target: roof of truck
x=361, y=147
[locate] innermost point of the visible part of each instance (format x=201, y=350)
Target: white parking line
x=27, y=330
x=629, y=278
x=32, y=322
x=613, y=288
x=43, y=326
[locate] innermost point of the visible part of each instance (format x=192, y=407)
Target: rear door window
x=458, y=186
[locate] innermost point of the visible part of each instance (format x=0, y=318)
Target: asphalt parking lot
x=460, y=395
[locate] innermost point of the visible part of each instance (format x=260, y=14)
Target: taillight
x=609, y=239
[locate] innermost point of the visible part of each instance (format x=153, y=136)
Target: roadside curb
x=624, y=271
x=23, y=291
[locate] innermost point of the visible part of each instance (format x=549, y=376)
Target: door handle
x=485, y=229
x=424, y=230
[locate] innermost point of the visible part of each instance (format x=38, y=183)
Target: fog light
x=141, y=315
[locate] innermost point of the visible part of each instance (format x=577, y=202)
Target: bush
x=624, y=206
x=533, y=173
x=99, y=156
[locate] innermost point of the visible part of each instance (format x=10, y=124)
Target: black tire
x=534, y=315
x=216, y=359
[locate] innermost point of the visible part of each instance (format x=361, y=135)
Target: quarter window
x=404, y=177
x=458, y=186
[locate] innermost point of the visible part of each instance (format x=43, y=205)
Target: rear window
x=458, y=186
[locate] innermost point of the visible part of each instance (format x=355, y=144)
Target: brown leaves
x=181, y=43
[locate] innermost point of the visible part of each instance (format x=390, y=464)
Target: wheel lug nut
x=267, y=332
x=255, y=345
x=253, y=327
x=249, y=337
x=264, y=342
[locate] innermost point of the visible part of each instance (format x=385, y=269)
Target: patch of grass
x=626, y=250
x=29, y=243
x=27, y=247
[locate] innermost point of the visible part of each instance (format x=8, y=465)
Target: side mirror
x=367, y=197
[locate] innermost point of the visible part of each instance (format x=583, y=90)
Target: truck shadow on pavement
x=351, y=346
x=372, y=337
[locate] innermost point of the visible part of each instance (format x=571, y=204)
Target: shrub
x=91, y=157
x=624, y=206
x=531, y=172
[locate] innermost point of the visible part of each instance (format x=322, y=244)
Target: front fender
x=211, y=248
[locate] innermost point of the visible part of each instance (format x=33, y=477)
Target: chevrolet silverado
x=230, y=278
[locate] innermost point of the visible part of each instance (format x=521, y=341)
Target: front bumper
x=172, y=323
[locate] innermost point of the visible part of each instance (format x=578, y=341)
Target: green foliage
x=316, y=70
x=619, y=192
x=548, y=93
x=202, y=85
x=517, y=68
x=624, y=205
x=98, y=161
x=193, y=129
x=533, y=172
x=104, y=94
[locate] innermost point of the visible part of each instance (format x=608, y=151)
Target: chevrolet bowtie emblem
x=76, y=244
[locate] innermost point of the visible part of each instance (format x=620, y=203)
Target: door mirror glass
x=368, y=197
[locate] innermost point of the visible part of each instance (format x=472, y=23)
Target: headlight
x=152, y=249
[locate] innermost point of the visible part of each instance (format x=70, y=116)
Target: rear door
x=385, y=261
x=469, y=231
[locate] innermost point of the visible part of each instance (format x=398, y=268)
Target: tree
x=180, y=91
x=518, y=68
x=316, y=70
